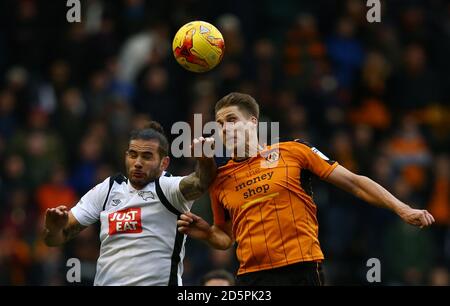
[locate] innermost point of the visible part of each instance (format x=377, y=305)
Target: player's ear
x=165, y=161
x=254, y=120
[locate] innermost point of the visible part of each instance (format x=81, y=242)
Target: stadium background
x=375, y=97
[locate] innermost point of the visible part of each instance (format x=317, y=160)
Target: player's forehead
x=227, y=111
x=218, y=282
x=141, y=145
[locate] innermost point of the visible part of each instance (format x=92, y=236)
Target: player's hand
x=194, y=226
x=203, y=147
x=417, y=217
x=56, y=219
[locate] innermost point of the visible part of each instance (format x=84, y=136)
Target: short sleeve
x=312, y=159
x=170, y=186
x=88, y=209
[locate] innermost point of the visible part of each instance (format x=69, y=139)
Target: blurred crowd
x=374, y=97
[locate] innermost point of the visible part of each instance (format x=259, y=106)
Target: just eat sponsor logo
x=126, y=221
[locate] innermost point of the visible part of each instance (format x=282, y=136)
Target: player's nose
x=138, y=164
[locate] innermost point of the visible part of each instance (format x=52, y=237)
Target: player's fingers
x=183, y=223
x=49, y=213
x=62, y=207
x=429, y=218
x=183, y=229
x=432, y=218
x=423, y=219
x=189, y=214
x=201, y=139
x=52, y=212
x=195, y=217
x=187, y=218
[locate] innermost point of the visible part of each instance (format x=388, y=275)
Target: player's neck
x=250, y=151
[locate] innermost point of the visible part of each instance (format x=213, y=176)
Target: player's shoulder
x=293, y=143
x=222, y=161
x=224, y=164
x=167, y=179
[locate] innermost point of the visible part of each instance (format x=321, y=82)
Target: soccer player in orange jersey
x=264, y=202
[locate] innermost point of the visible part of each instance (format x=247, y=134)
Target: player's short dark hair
x=218, y=274
x=152, y=131
x=244, y=102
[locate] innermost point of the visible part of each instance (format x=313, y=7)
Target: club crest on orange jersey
x=271, y=155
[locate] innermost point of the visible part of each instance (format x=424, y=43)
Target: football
x=198, y=46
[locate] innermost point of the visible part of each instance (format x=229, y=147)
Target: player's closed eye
x=147, y=156
x=231, y=119
x=132, y=154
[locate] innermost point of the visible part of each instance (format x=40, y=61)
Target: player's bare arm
x=219, y=237
x=371, y=192
x=60, y=226
x=194, y=185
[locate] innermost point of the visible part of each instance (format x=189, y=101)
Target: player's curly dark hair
x=152, y=130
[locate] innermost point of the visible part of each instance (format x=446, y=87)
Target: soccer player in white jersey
x=140, y=244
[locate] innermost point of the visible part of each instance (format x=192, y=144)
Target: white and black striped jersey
x=140, y=243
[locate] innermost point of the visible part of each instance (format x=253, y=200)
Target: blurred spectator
x=218, y=278
x=409, y=251
x=416, y=85
x=149, y=46
x=90, y=153
x=15, y=257
x=155, y=97
x=346, y=52
x=56, y=191
x=439, y=204
x=7, y=116
x=303, y=52
x=408, y=145
x=439, y=277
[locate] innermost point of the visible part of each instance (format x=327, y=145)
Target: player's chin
x=139, y=181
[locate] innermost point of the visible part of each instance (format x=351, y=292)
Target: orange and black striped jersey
x=268, y=199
